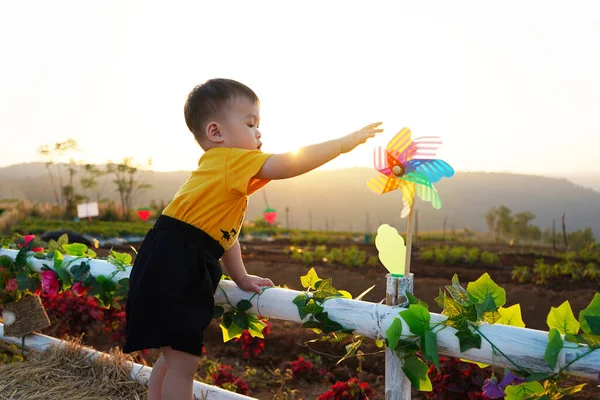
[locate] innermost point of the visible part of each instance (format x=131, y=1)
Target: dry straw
x=66, y=372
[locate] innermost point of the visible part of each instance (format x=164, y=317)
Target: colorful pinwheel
x=411, y=166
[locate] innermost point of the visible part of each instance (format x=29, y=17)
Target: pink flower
x=78, y=288
x=12, y=285
x=49, y=282
x=28, y=238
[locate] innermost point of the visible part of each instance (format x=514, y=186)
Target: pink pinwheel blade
x=426, y=146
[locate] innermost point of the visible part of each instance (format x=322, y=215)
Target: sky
x=510, y=86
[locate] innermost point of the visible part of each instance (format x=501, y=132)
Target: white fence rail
x=524, y=346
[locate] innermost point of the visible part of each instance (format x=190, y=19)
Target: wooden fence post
x=397, y=385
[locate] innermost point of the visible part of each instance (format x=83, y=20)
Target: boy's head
x=223, y=112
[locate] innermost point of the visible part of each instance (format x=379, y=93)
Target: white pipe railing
x=525, y=347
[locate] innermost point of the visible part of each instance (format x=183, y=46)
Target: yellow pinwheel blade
x=400, y=142
x=383, y=184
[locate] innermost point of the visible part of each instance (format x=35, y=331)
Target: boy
x=177, y=270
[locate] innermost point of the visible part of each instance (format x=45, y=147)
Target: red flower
x=27, y=239
x=78, y=288
x=12, y=285
x=49, y=282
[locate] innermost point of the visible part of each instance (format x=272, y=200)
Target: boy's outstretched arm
x=287, y=165
x=232, y=258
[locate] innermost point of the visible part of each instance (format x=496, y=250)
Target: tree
x=61, y=192
x=581, y=239
x=520, y=225
x=128, y=185
x=90, y=181
x=490, y=219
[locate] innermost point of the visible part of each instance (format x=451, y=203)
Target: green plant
x=354, y=257
x=427, y=255
x=473, y=255
x=521, y=273
x=489, y=258
x=58, y=275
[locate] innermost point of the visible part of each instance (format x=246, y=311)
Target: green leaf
x=218, y=312
x=256, y=328
x=562, y=318
x=62, y=240
x=483, y=286
x=511, y=316
x=458, y=315
x=328, y=325
x=315, y=326
x=300, y=301
x=122, y=288
x=75, y=249
x=379, y=343
x=80, y=271
x=522, y=391
x=412, y=299
x=52, y=245
x=27, y=282
x=310, y=279
x=555, y=345
x=416, y=372
x=244, y=305
x=345, y=294
x=393, y=333
x=407, y=346
x=312, y=308
x=58, y=259
x=431, y=349
x=590, y=340
x=487, y=310
x=593, y=323
x=93, y=284
x=593, y=309
x=227, y=319
x=123, y=258
x=62, y=272
x=241, y=320
x=325, y=290
x=417, y=318
x=91, y=253
x=458, y=293
x=468, y=340
x=537, y=376
x=232, y=332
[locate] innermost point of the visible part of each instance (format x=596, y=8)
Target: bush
x=73, y=315
x=457, y=380
x=489, y=258
x=521, y=274
x=473, y=255
x=349, y=390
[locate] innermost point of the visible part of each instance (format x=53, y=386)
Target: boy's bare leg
x=179, y=380
x=157, y=376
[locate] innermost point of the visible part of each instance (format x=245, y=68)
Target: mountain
x=340, y=200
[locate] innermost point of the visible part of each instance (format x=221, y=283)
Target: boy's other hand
x=352, y=140
x=253, y=283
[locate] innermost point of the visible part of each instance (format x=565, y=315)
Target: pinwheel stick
x=409, y=238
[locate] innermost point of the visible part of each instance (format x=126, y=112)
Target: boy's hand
x=352, y=140
x=253, y=283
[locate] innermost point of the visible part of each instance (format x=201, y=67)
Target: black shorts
x=171, y=288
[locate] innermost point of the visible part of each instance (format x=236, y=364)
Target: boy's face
x=239, y=125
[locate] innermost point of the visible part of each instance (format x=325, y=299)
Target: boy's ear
x=213, y=132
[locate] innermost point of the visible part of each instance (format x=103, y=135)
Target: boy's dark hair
x=207, y=100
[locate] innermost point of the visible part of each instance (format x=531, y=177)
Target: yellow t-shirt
x=215, y=196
